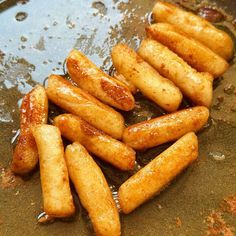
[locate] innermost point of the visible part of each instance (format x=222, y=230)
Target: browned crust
x=33, y=111
x=81, y=69
x=118, y=94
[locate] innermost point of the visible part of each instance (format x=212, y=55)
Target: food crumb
x=217, y=226
x=229, y=205
x=17, y=193
x=8, y=179
x=178, y=222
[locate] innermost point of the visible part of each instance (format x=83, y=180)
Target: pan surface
x=35, y=38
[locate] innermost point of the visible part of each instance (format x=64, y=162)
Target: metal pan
x=35, y=38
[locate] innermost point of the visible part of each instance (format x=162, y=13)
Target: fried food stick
x=95, y=141
x=93, y=190
x=151, y=179
x=57, y=198
x=165, y=128
x=97, y=83
x=196, y=27
x=194, y=85
x=80, y=103
x=33, y=111
x=192, y=51
x=155, y=87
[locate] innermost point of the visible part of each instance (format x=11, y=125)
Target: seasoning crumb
x=217, y=226
x=8, y=179
x=229, y=205
x=17, y=193
x=220, y=98
x=178, y=222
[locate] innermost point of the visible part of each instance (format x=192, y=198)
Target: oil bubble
x=217, y=156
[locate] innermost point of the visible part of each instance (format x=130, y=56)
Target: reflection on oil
x=211, y=14
x=15, y=137
x=16, y=72
x=5, y=116
x=217, y=156
x=114, y=192
x=43, y=218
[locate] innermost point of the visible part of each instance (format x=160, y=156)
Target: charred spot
x=31, y=111
x=89, y=130
x=162, y=66
x=26, y=139
x=75, y=69
x=64, y=179
x=72, y=63
x=139, y=59
x=117, y=92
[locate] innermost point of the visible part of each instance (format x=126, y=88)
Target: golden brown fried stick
x=78, y=102
x=57, y=198
x=93, y=80
x=33, y=111
x=151, y=179
x=145, y=78
x=95, y=141
x=196, y=27
x=93, y=190
x=192, y=51
x=195, y=85
x=165, y=128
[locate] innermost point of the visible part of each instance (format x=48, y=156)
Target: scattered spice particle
x=229, y=205
x=217, y=225
x=178, y=222
x=8, y=179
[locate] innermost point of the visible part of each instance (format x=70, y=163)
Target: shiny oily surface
x=34, y=41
